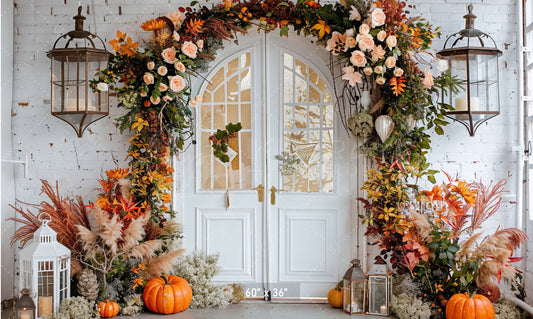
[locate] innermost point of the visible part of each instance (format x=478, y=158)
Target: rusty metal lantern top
x=473, y=57
x=76, y=58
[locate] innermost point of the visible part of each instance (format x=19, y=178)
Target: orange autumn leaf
x=322, y=28
x=129, y=48
x=118, y=173
x=397, y=84
x=194, y=26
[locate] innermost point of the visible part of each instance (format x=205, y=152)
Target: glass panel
x=307, y=129
x=228, y=88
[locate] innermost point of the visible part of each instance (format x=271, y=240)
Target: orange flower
x=194, y=26
x=129, y=48
x=116, y=42
x=137, y=282
x=153, y=24
x=103, y=203
x=118, y=173
x=322, y=28
x=141, y=267
x=166, y=198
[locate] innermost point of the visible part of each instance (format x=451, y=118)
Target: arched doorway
x=294, y=241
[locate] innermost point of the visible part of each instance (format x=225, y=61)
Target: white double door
x=278, y=228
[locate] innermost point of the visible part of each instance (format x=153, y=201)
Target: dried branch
x=488, y=202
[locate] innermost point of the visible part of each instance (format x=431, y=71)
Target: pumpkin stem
x=165, y=279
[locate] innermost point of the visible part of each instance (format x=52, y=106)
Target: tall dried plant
x=65, y=214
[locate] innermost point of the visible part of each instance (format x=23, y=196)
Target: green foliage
x=219, y=140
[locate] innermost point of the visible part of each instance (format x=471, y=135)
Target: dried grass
x=162, y=264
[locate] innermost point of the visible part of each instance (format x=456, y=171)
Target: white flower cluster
x=199, y=270
x=75, y=308
x=505, y=309
x=134, y=305
x=410, y=307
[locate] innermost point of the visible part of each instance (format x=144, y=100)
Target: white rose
x=176, y=36
x=199, y=98
x=379, y=69
x=150, y=65
x=193, y=103
x=162, y=70
x=180, y=67
x=148, y=78
x=382, y=35
x=381, y=80
x=163, y=87
x=391, y=41
x=367, y=70
x=398, y=72
x=103, y=87
x=390, y=62
x=378, y=18
x=442, y=65
x=364, y=29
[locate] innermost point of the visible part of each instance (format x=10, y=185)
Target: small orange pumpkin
x=167, y=294
x=335, y=298
x=108, y=309
x=462, y=306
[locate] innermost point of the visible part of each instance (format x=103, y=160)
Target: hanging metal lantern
x=379, y=288
x=354, y=289
x=473, y=57
x=74, y=65
x=25, y=307
x=45, y=268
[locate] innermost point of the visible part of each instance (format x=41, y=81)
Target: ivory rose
x=169, y=55
x=350, y=43
x=364, y=29
x=391, y=41
x=428, y=79
x=382, y=35
x=148, y=78
x=163, y=87
x=367, y=70
x=150, y=65
x=193, y=103
x=381, y=80
x=176, y=36
x=189, y=49
x=180, y=67
x=358, y=58
x=442, y=65
x=199, y=98
x=167, y=98
x=176, y=83
x=390, y=62
x=102, y=87
x=349, y=33
x=155, y=101
x=379, y=69
x=366, y=42
x=162, y=70
x=378, y=17
x=398, y=72
x=200, y=45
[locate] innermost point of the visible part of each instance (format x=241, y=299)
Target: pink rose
x=189, y=49
x=180, y=67
x=148, y=78
x=391, y=41
x=358, y=58
x=177, y=83
x=350, y=42
x=155, y=101
x=390, y=62
x=364, y=29
x=163, y=87
x=162, y=70
x=177, y=18
x=366, y=42
x=200, y=45
x=382, y=35
x=398, y=72
x=368, y=70
x=428, y=79
x=169, y=55
x=199, y=98
x=193, y=103
x=150, y=65
x=378, y=18
x=379, y=69
x=381, y=80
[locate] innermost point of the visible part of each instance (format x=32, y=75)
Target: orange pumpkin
x=167, y=294
x=335, y=298
x=462, y=306
x=108, y=309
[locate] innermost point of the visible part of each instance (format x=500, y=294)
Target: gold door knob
x=273, y=191
x=260, y=192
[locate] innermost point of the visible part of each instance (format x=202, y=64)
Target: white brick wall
x=57, y=154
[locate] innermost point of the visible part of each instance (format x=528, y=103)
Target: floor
x=254, y=310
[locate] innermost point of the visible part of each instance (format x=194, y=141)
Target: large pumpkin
x=335, y=298
x=462, y=306
x=108, y=309
x=167, y=294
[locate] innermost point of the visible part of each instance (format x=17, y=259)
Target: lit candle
x=461, y=103
x=45, y=306
x=24, y=315
x=383, y=309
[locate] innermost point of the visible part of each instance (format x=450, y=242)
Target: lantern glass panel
x=378, y=288
x=354, y=296
x=45, y=287
x=25, y=314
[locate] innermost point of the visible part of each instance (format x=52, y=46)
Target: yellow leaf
x=322, y=28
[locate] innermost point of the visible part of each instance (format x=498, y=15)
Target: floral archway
x=387, y=102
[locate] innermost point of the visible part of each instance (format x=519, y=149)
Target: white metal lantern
x=45, y=267
x=354, y=290
x=379, y=288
